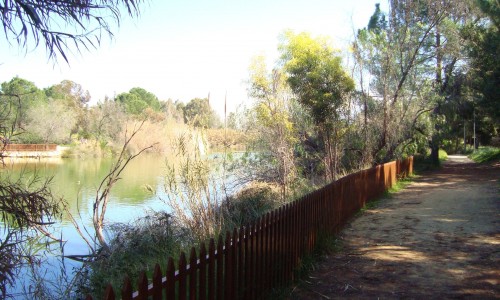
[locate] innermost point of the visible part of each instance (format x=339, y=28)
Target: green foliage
x=18, y=96
x=276, y=136
x=51, y=122
x=198, y=113
x=70, y=92
x=423, y=162
x=377, y=20
x=322, y=87
x=485, y=154
x=315, y=75
x=134, y=248
x=105, y=122
x=137, y=100
x=442, y=155
x=483, y=48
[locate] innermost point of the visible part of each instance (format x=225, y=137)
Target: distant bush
x=226, y=138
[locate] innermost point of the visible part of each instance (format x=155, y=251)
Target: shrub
x=134, y=248
x=486, y=154
x=251, y=203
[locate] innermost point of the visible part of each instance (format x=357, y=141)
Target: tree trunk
x=435, y=141
x=434, y=152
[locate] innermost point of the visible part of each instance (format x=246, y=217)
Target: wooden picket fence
x=248, y=262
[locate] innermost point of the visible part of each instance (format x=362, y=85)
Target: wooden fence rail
x=248, y=262
x=30, y=147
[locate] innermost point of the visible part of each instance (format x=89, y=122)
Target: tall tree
x=276, y=135
x=137, y=100
x=417, y=41
x=51, y=122
x=316, y=76
x=198, y=113
x=18, y=95
x=483, y=50
x=70, y=92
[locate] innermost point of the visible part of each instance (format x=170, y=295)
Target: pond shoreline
x=58, y=152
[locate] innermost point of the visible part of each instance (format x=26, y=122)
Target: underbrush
x=485, y=154
x=134, y=248
x=423, y=162
x=251, y=203
x=153, y=239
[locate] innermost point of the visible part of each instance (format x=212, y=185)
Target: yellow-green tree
x=276, y=136
x=321, y=85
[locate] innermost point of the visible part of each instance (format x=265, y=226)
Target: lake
x=77, y=180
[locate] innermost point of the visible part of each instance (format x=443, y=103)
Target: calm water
x=77, y=180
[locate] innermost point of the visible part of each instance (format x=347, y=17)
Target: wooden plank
x=109, y=294
x=249, y=254
x=219, y=261
x=240, y=284
x=228, y=268
x=234, y=260
x=193, y=274
x=127, y=290
x=142, y=287
x=211, y=270
x=170, y=291
x=203, y=272
x=182, y=277
x=157, y=287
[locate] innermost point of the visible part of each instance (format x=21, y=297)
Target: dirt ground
x=437, y=239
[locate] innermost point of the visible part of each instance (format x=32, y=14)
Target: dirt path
x=439, y=238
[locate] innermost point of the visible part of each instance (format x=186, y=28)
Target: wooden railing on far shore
x=30, y=147
x=249, y=261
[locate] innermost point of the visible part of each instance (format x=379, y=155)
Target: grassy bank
x=485, y=154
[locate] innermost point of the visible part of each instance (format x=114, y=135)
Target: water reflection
x=77, y=180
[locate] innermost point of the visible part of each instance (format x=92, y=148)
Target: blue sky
x=186, y=49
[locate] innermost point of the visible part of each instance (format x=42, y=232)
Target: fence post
x=241, y=263
x=182, y=277
x=203, y=272
x=110, y=294
x=249, y=255
x=143, y=286
x=127, y=289
x=157, y=288
x=228, y=268
x=211, y=270
x=219, y=260
x=193, y=272
x=170, y=279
